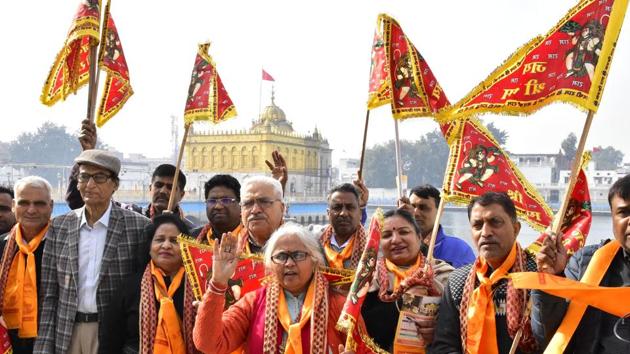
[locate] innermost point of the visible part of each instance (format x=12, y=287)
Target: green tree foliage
x=499, y=134
x=607, y=158
x=423, y=161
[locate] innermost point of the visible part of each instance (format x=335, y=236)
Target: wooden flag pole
x=94, y=72
x=575, y=166
x=398, y=161
x=434, y=232
x=171, y=200
x=557, y=220
x=365, y=130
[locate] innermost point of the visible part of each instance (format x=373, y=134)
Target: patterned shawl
x=359, y=245
x=419, y=278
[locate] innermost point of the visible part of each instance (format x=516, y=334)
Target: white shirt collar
x=333, y=242
x=103, y=220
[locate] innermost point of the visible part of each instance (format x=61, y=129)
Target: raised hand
x=405, y=204
x=552, y=257
x=87, y=136
x=364, y=192
x=224, y=259
x=278, y=169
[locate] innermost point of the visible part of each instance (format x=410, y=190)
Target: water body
x=454, y=220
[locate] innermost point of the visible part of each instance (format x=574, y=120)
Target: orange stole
x=20, y=294
x=168, y=335
x=234, y=232
x=294, y=331
x=335, y=259
x=481, y=336
x=401, y=274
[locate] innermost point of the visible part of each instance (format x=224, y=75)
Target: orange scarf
x=401, y=274
x=168, y=336
x=481, y=333
x=335, y=259
x=235, y=232
x=20, y=294
x=583, y=293
x=294, y=331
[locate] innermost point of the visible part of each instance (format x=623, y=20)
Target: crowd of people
x=108, y=277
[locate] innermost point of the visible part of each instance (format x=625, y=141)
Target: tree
x=499, y=134
x=424, y=161
x=569, y=148
x=607, y=158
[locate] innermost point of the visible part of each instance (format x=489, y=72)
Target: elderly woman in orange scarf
x=401, y=276
x=295, y=313
x=153, y=312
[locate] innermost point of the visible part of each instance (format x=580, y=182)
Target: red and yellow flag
x=112, y=61
x=477, y=165
x=577, y=219
x=71, y=68
x=207, y=98
x=569, y=64
x=364, y=275
x=400, y=75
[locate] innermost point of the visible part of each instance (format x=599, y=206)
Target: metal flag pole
x=398, y=161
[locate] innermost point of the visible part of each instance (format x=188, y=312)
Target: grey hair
x=305, y=236
x=277, y=187
x=32, y=181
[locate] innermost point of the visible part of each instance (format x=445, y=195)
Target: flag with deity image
x=569, y=64
x=577, y=220
x=207, y=98
x=71, y=69
x=477, y=165
x=112, y=60
x=399, y=75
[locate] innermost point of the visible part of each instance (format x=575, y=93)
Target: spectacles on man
x=283, y=257
x=264, y=203
x=98, y=178
x=223, y=201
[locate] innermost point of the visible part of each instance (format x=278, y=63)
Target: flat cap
x=100, y=158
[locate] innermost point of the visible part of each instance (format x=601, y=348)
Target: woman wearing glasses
x=403, y=284
x=295, y=312
x=153, y=312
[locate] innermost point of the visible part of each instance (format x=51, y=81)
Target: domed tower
x=272, y=119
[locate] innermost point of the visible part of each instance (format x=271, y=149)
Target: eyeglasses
x=223, y=201
x=98, y=178
x=283, y=257
x=264, y=203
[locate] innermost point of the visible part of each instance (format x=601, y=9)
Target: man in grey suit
x=88, y=252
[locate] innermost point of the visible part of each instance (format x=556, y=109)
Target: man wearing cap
x=88, y=252
x=160, y=188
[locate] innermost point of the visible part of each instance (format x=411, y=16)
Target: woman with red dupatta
x=295, y=313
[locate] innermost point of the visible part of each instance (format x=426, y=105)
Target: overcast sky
x=319, y=54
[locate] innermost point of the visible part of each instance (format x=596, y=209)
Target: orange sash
x=481, y=334
x=168, y=335
x=235, y=232
x=335, y=259
x=294, y=331
x=593, y=275
x=20, y=294
x=401, y=274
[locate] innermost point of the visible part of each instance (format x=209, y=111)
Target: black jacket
x=548, y=310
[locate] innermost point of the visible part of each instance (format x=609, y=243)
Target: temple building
x=243, y=153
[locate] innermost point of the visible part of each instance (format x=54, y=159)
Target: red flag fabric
x=207, y=98
x=379, y=92
x=112, y=61
x=569, y=64
x=414, y=90
x=477, y=165
x=266, y=76
x=364, y=275
x=5, y=341
x=578, y=218
x=70, y=70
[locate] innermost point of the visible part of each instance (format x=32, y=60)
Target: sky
x=317, y=51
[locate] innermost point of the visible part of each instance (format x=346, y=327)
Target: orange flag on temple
x=112, y=61
x=477, y=165
x=399, y=75
x=569, y=64
x=207, y=98
x=578, y=218
x=70, y=70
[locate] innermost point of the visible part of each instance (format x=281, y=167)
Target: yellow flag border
x=463, y=198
